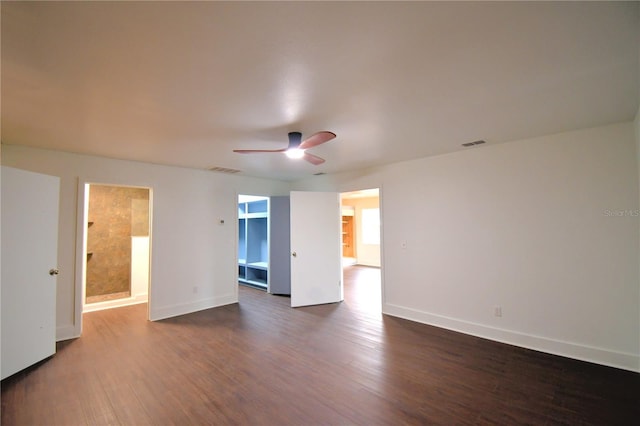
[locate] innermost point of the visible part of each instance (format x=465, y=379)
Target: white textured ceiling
x=185, y=83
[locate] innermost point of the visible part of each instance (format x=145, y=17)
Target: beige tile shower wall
x=140, y=215
x=115, y=214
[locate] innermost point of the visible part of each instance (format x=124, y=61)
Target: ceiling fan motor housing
x=295, y=138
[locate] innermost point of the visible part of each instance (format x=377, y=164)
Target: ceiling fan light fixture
x=297, y=147
x=295, y=153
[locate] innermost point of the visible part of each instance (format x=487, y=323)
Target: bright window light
x=371, y=226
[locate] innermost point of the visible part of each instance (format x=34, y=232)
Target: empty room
x=492, y=278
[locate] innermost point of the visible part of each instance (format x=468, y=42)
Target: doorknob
x=55, y=271
x=294, y=254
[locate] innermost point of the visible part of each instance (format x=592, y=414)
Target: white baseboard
x=188, y=308
x=625, y=361
x=134, y=300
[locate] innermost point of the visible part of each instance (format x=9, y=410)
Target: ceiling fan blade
x=317, y=139
x=251, y=151
x=313, y=159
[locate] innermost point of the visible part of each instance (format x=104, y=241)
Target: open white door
x=316, y=248
x=29, y=258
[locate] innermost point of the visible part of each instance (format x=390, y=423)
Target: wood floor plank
x=260, y=362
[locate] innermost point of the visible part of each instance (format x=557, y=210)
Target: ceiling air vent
x=223, y=170
x=473, y=143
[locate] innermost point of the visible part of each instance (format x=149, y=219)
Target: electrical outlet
x=497, y=311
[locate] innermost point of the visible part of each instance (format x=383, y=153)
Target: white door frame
x=81, y=244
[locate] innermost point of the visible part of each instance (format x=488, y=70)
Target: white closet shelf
x=253, y=242
x=255, y=215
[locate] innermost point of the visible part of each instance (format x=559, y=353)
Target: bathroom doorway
x=117, y=245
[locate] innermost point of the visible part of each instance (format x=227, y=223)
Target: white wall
x=545, y=228
x=189, y=246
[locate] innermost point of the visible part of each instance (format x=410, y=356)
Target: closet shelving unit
x=264, y=257
x=253, y=242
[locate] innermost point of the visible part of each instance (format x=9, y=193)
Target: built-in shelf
x=264, y=255
x=253, y=254
x=256, y=215
x=258, y=265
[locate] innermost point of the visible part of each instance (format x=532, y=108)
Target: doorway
x=117, y=246
x=361, y=227
x=253, y=241
x=361, y=248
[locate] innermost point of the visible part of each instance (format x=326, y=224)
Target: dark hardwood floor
x=261, y=362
